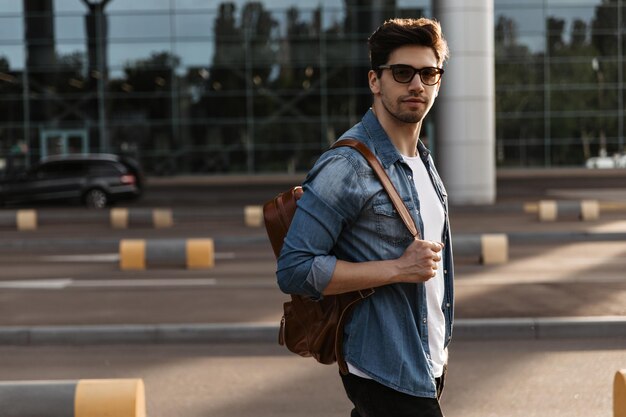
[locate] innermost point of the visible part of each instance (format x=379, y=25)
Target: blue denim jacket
x=345, y=214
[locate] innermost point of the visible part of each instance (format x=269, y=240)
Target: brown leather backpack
x=314, y=328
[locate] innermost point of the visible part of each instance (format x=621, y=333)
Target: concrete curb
x=465, y=329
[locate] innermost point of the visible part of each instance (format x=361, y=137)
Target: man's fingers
x=436, y=246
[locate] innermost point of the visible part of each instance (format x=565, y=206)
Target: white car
x=607, y=162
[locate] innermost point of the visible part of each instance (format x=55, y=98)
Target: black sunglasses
x=404, y=74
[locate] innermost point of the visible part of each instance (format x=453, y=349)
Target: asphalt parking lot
x=66, y=274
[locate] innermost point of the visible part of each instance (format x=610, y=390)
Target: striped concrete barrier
x=488, y=249
x=24, y=220
x=138, y=254
x=253, y=216
x=82, y=398
x=122, y=218
x=551, y=210
x=619, y=394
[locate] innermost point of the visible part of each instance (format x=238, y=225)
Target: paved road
x=39, y=284
x=67, y=271
x=558, y=378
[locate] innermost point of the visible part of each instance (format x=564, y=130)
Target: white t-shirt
x=433, y=217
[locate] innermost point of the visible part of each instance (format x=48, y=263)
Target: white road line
x=68, y=283
x=123, y=283
x=111, y=257
x=97, y=257
x=43, y=284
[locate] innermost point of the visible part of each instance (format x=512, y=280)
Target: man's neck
x=404, y=136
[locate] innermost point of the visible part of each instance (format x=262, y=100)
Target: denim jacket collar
x=385, y=149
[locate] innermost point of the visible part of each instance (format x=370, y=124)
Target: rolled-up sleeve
x=332, y=200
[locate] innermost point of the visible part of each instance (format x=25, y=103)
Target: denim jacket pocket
x=389, y=225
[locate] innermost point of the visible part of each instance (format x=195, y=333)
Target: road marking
x=42, y=284
x=110, y=257
x=68, y=283
x=122, y=283
x=98, y=257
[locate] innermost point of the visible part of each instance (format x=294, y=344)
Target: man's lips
x=414, y=100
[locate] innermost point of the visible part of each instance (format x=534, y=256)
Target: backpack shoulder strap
x=385, y=181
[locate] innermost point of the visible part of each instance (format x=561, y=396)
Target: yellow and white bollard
x=82, y=398
x=619, y=394
x=139, y=254
x=123, y=218
x=488, y=249
x=253, y=216
x=495, y=249
x=550, y=210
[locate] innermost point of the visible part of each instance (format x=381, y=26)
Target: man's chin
x=409, y=117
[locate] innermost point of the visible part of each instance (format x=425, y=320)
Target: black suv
x=93, y=179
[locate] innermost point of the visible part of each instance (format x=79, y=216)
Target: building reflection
x=193, y=86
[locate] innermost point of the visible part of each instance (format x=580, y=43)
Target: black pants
x=372, y=399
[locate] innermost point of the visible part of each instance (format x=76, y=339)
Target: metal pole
x=104, y=140
x=249, y=104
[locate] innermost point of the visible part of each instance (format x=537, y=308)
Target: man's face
x=410, y=102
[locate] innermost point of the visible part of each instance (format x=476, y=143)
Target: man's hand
x=419, y=261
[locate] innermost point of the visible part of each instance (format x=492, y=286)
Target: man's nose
x=416, y=83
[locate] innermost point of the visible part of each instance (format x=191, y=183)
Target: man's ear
x=373, y=82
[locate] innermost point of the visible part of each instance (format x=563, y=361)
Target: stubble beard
x=404, y=117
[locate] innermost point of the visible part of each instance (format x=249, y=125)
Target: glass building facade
x=202, y=86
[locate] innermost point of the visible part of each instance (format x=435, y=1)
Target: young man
x=346, y=235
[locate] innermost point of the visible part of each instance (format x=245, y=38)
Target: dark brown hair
x=395, y=33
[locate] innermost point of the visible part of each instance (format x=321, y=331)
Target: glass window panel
x=515, y=3
x=570, y=152
x=523, y=20
x=589, y=125
x=586, y=71
x=297, y=23
x=74, y=48
x=122, y=54
x=521, y=46
x=521, y=154
x=605, y=45
x=11, y=106
x=69, y=27
x=568, y=2
x=522, y=73
x=63, y=6
x=194, y=5
x=11, y=28
x=193, y=54
x=195, y=25
x=424, y=4
x=519, y=127
x=333, y=19
x=139, y=26
x=512, y=101
x=138, y=5
x=571, y=14
x=11, y=7
x=14, y=55
x=583, y=98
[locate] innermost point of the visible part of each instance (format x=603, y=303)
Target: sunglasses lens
x=403, y=74
x=429, y=76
